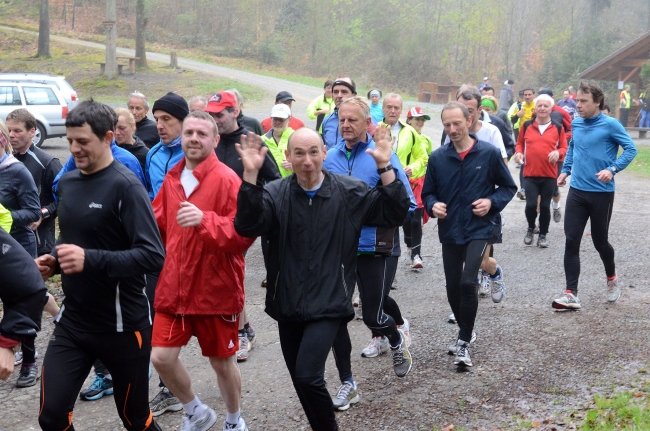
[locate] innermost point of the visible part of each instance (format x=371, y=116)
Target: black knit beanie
x=172, y=104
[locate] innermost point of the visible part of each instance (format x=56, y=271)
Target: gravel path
x=533, y=366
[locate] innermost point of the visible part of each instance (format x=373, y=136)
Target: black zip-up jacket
x=22, y=292
x=313, y=242
x=138, y=149
x=457, y=183
x=44, y=167
x=228, y=155
x=147, y=131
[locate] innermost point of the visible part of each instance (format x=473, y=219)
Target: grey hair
x=140, y=96
x=362, y=102
x=392, y=95
x=545, y=97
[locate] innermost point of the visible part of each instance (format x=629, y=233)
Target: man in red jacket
x=201, y=287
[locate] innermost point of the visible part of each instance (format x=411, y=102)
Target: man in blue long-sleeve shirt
x=592, y=161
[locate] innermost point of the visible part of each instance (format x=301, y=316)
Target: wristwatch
x=45, y=213
x=388, y=167
x=613, y=169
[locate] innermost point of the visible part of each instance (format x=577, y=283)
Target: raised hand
x=383, y=147
x=252, y=152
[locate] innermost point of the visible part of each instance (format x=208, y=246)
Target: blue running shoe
x=100, y=387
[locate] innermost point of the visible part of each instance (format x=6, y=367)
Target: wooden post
x=173, y=60
x=111, y=39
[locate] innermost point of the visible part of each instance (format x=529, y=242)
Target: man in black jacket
x=22, y=291
x=313, y=220
x=145, y=128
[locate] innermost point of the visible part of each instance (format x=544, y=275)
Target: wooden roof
x=624, y=64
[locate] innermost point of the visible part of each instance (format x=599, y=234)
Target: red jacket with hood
x=204, y=265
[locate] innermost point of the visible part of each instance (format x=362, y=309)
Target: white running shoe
x=451, y=318
x=416, y=262
x=239, y=426
x=453, y=349
x=462, y=356
x=613, y=291
x=346, y=395
x=406, y=329
x=568, y=301
x=202, y=419
x=377, y=346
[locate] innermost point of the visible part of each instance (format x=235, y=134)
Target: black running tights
x=461, y=263
x=581, y=206
x=68, y=359
x=305, y=346
x=413, y=231
x=542, y=187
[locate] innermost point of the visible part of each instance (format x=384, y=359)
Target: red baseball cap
x=417, y=112
x=219, y=101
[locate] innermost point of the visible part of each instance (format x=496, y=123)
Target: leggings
x=580, y=207
x=413, y=231
x=461, y=263
x=305, y=346
x=539, y=187
x=374, y=276
x=68, y=359
x=556, y=192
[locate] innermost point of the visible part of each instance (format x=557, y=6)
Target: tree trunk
x=140, y=26
x=173, y=60
x=111, y=39
x=74, y=9
x=44, y=30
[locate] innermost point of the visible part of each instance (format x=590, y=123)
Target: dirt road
x=532, y=364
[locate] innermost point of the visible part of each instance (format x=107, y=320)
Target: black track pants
x=413, y=231
x=68, y=359
x=305, y=346
x=539, y=187
x=461, y=264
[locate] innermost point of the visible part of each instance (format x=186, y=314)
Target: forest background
x=385, y=43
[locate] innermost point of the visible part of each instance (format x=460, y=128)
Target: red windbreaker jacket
x=536, y=148
x=204, y=265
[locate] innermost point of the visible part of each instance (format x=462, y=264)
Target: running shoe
x=377, y=346
x=244, y=347
x=406, y=329
x=239, y=426
x=264, y=283
x=393, y=285
x=498, y=286
x=542, y=242
x=484, y=282
x=164, y=402
x=416, y=262
x=28, y=375
x=568, y=301
x=100, y=387
x=451, y=318
x=356, y=303
x=408, y=253
x=202, y=419
x=536, y=231
x=557, y=215
x=613, y=291
x=528, y=239
x=19, y=357
x=402, y=361
x=346, y=395
x=521, y=194
x=250, y=333
x=453, y=349
x=462, y=355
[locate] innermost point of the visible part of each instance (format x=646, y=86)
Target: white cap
x=505, y=82
x=280, y=111
x=485, y=78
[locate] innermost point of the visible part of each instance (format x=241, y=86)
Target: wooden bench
x=102, y=68
x=642, y=131
x=131, y=63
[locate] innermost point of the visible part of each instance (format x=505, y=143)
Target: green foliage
x=641, y=164
x=623, y=411
x=645, y=73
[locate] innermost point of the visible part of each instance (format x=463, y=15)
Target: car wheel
x=39, y=136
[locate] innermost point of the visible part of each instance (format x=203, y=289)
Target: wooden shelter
x=623, y=65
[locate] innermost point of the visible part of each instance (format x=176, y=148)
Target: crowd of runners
x=156, y=217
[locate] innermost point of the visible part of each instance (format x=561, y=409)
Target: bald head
x=305, y=134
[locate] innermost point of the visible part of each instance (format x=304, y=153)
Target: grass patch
x=622, y=411
x=79, y=66
x=641, y=163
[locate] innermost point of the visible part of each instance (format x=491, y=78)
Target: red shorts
x=217, y=334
